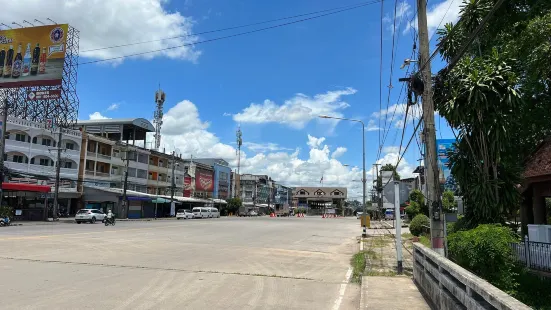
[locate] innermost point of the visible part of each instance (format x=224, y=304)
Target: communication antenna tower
x=158, y=116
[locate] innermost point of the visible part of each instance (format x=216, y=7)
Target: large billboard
x=32, y=56
x=204, y=181
x=443, y=147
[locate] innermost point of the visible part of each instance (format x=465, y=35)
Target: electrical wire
x=232, y=35
x=391, y=60
x=441, y=20
x=381, y=72
x=227, y=28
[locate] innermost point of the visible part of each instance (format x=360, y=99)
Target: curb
x=363, y=293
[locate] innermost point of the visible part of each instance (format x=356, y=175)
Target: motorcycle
x=5, y=221
x=109, y=221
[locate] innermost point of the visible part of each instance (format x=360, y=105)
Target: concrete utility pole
x=3, y=145
x=57, y=172
x=398, y=220
x=431, y=166
x=124, y=201
x=379, y=193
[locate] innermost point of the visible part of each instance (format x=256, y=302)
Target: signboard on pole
x=32, y=56
x=447, y=181
x=44, y=94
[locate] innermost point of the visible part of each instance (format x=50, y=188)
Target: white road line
x=342, y=290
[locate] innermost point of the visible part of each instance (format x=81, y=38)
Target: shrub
x=6, y=211
x=486, y=251
x=412, y=210
x=417, y=225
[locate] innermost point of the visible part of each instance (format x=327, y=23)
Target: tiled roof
x=539, y=163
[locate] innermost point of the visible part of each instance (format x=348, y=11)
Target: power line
x=440, y=23
x=381, y=72
x=391, y=60
x=233, y=35
x=228, y=28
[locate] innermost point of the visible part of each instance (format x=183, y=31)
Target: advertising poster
x=32, y=56
x=447, y=182
x=204, y=181
x=188, y=188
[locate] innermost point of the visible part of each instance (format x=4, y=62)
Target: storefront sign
x=44, y=94
x=188, y=188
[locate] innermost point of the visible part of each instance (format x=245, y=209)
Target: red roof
x=539, y=163
x=26, y=187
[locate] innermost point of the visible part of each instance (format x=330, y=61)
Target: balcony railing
x=91, y=154
x=89, y=173
x=102, y=174
x=103, y=156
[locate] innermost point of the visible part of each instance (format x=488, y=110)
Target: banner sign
x=187, y=186
x=32, y=56
x=447, y=181
x=43, y=94
x=204, y=181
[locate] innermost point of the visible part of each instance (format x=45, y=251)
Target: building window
x=47, y=142
x=44, y=162
x=336, y=193
x=35, y=140
x=20, y=137
x=69, y=165
x=69, y=146
x=302, y=193
x=248, y=194
x=55, y=143
x=17, y=159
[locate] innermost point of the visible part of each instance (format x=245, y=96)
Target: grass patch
x=372, y=255
x=380, y=242
x=407, y=235
x=425, y=240
x=358, y=266
x=381, y=273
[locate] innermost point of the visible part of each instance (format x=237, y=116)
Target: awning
x=160, y=200
x=220, y=201
x=26, y=187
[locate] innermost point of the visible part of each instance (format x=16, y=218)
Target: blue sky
x=272, y=83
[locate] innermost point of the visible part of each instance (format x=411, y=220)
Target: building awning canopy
x=26, y=187
x=160, y=200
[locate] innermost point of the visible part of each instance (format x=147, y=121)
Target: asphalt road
x=226, y=263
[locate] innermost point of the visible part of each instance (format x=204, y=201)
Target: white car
x=184, y=214
x=359, y=214
x=89, y=215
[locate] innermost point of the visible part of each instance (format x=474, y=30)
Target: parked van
x=214, y=212
x=201, y=213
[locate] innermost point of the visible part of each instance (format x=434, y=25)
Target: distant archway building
x=318, y=200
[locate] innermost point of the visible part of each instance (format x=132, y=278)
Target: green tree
x=448, y=202
x=232, y=207
x=417, y=197
x=497, y=99
x=390, y=167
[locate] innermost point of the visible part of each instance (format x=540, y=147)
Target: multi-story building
x=31, y=158
x=198, y=180
x=222, y=173
x=318, y=200
x=255, y=189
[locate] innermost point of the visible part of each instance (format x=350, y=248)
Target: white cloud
x=286, y=166
x=116, y=22
x=314, y=142
x=399, y=124
x=97, y=115
x=439, y=14
x=113, y=107
x=297, y=111
x=263, y=147
x=391, y=149
x=372, y=126
x=338, y=152
x=403, y=13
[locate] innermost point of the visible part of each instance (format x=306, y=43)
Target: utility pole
x=172, y=183
x=379, y=192
x=3, y=144
x=125, y=185
x=57, y=173
x=437, y=236
x=398, y=226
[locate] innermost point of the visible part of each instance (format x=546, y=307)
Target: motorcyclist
x=110, y=216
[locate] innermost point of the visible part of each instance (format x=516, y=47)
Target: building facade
x=318, y=200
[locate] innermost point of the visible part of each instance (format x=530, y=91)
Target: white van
x=214, y=212
x=200, y=213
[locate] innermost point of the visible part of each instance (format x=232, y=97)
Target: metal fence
x=535, y=255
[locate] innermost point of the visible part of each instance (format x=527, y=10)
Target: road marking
x=84, y=233
x=342, y=290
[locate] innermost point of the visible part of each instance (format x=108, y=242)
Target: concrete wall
x=450, y=286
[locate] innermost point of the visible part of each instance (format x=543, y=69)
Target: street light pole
x=363, y=153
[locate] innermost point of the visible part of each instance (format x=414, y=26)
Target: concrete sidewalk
x=391, y=293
